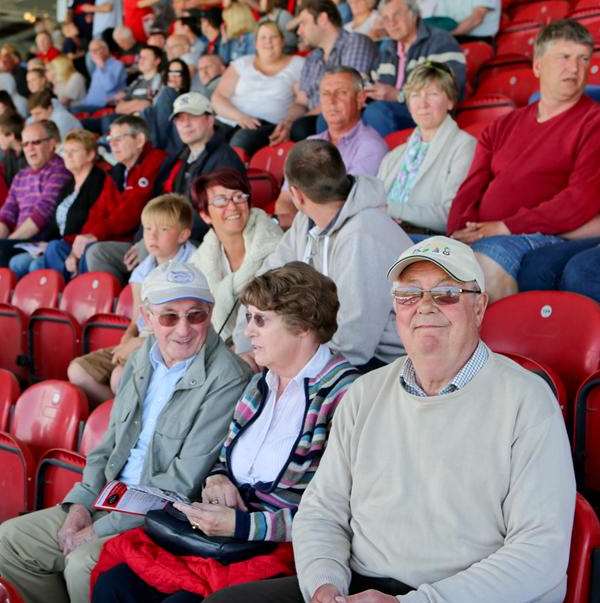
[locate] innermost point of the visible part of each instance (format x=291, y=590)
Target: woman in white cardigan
x=422, y=176
x=236, y=245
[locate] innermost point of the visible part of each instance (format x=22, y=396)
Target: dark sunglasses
x=170, y=319
x=444, y=295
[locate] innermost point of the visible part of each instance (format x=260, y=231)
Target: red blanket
x=169, y=573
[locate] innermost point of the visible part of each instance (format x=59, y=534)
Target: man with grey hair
x=448, y=474
x=410, y=42
x=534, y=180
x=168, y=421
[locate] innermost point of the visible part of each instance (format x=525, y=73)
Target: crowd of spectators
x=126, y=156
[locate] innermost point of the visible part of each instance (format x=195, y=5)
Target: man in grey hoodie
x=342, y=230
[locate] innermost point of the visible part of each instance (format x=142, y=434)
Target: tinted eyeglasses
x=34, y=143
x=442, y=295
x=170, y=319
x=118, y=137
x=221, y=201
x=259, y=319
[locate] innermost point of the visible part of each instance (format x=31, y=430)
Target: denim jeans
x=23, y=263
x=387, y=116
x=569, y=266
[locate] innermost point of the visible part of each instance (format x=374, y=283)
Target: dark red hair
x=226, y=177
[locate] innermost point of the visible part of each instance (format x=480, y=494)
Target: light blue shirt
x=160, y=390
x=105, y=83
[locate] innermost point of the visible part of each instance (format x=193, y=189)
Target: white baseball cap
x=173, y=281
x=193, y=103
x=452, y=256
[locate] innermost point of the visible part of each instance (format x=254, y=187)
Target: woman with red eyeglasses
x=271, y=452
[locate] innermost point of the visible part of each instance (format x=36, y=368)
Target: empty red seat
x=483, y=109
x=586, y=433
x=544, y=11
x=584, y=540
x=38, y=289
x=476, y=54
x=103, y=331
x=518, y=38
x=264, y=189
x=8, y=592
x=517, y=84
x=60, y=469
x=590, y=19
x=47, y=415
x=55, y=334
x=9, y=392
x=272, y=159
x=8, y=281
x=124, y=305
x=556, y=328
x=395, y=139
x=594, y=73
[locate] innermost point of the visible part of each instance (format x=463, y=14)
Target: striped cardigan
x=273, y=505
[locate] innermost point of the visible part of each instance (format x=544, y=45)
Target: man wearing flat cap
x=167, y=424
x=447, y=476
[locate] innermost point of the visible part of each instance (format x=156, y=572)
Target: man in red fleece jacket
x=534, y=177
x=116, y=214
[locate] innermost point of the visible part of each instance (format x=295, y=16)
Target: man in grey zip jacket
x=167, y=425
x=342, y=229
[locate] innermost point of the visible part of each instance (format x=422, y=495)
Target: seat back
x=476, y=54
x=8, y=593
x=476, y=128
x=38, y=289
x=272, y=159
x=594, y=73
x=95, y=427
x=90, y=293
x=16, y=478
x=242, y=154
x=13, y=350
x=395, y=139
x=590, y=19
x=483, y=109
x=8, y=281
x=586, y=434
x=264, y=189
x=518, y=38
x=124, y=305
x=57, y=472
x=9, y=392
x=557, y=328
x=544, y=11
x=584, y=539
x=518, y=83
x=103, y=331
x=49, y=415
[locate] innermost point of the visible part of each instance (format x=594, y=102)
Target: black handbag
x=171, y=529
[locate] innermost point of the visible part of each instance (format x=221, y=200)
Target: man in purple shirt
x=361, y=147
x=34, y=190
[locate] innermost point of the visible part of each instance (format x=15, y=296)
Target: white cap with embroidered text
x=173, y=281
x=193, y=103
x=452, y=256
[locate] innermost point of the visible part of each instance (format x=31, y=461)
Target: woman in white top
x=422, y=177
x=272, y=11
x=67, y=84
x=256, y=91
x=364, y=17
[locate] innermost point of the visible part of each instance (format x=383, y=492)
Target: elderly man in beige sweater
x=448, y=474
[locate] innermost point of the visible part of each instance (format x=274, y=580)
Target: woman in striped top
x=277, y=435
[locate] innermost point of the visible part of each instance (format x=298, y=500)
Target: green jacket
x=188, y=436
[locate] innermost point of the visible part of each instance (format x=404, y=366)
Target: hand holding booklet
x=136, y=500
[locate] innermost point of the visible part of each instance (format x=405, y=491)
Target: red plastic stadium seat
x=476, y=129
x=55, y=335
x=557, y=328
x=8, y=593
x=590, y=19
x=584, y=539
x=265, y=189
x=580, y=5
x=544, y=11
x=103, y=331
x=47, y=415
x=586, y=433
x=7, y=284
x=125, y=302
x=476, y=54
x=594, y=74
x=38, y=289
x=241, y=153
x=518, y=38
x=9, y=392
x=272, y=159
x=484, y=109
x=518, y=84
x=395, y=139
x=59, y=469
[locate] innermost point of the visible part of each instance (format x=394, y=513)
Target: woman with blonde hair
x=238, y=37
x=256, y=91
x=68, y=84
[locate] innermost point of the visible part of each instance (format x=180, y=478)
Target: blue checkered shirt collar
x=408, y=377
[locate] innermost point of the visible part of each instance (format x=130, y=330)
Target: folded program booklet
x=137, y=500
